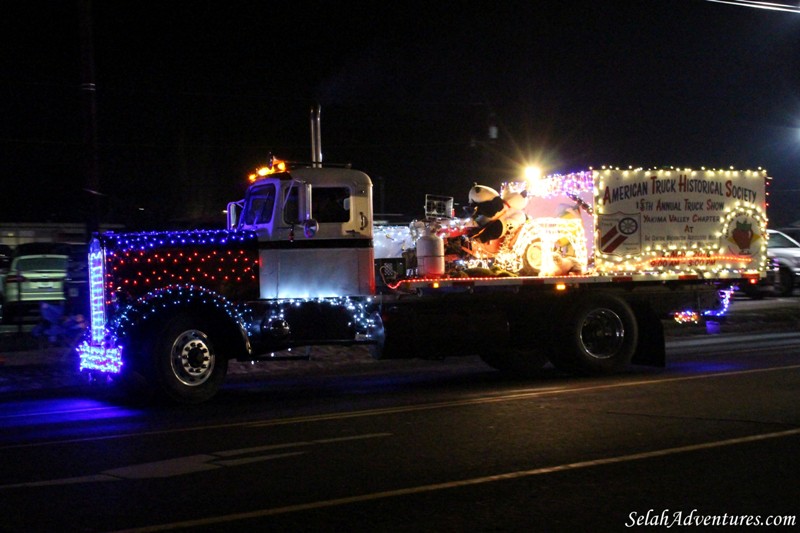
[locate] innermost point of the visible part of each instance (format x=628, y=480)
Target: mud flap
x=651, y=350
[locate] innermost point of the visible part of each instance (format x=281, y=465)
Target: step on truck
x=576, y=270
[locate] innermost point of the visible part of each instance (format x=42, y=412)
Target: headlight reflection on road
x=61, y=415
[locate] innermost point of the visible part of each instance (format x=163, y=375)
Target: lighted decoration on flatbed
x=720, y=217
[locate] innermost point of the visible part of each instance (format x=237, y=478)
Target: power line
x=770, y=6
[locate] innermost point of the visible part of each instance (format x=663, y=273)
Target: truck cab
x=314, y=228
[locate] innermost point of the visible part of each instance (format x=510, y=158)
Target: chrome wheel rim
x=192, y=358
x=602, y=333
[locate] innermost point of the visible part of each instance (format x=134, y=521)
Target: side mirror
x=310, y=228
x=305, y=201
x=234, y=210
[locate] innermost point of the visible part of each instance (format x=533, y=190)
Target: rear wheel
x=186, y=363
x=599, y=336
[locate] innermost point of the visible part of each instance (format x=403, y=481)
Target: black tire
x=785, y=285
x=185, y=362
x=598, y=335
x=516, y=362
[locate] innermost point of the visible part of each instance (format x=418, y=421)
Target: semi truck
x=577, y=270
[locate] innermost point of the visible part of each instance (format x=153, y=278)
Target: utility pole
x=88, y=97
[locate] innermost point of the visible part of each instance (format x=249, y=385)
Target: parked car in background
x=32, y=278
x=785, y=251
x=791, y=231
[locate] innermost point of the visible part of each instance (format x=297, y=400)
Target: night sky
x=193, y=95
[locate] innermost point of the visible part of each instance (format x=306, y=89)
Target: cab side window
x=331, y=204
x=328, y=204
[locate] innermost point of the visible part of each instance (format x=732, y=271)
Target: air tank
x=430, y=255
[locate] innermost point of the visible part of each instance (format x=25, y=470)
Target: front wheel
x=187, y=366
x=599, y=336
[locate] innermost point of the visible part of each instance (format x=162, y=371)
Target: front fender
x=138, y=321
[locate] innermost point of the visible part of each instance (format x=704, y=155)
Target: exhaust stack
x=316, y=136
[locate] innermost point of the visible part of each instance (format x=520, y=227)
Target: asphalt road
x=424, y=446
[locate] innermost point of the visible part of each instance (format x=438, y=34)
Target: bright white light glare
x=533, y=173
x=770, y=6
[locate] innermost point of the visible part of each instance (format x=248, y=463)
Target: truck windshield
x=260, y=205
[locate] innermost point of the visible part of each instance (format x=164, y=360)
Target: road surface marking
x=505, y=397
x=421, y=489
x=532, y=393
x=192, y=464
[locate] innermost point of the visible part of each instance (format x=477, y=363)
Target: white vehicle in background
x=30, y=281
x=785, y=251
